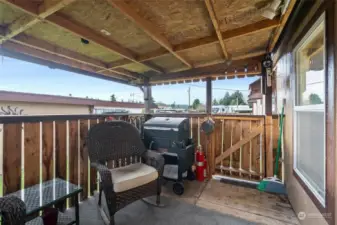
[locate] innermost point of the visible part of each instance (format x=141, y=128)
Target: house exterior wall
x=300, y=198
x=102, y=109
x=25, y=108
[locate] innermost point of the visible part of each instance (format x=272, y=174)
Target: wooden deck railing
x=38, y=148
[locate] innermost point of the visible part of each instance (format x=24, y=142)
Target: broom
x=273, y=184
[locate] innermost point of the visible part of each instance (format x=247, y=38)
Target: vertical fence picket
x=231, y=155
x=32, y=154
x=61, y=149
x=73, y=152
x=222, y=142
x=1, y=158
x=93, y=172
x=97, y=173
x=12, y=157
x=47, y=151
x=250, y=151
x=84, y=157
x=261, y=156
x=240, y=156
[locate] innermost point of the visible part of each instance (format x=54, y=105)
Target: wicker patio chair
x=13, y=210
x=135, y=173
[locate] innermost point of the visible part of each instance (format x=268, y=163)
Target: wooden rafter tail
x=244, y=67
x=46, y=9
x=148, y=28
x=203, y=77
x=256, y=131
x=283, y=22
x=80, y=30
x=210, y=9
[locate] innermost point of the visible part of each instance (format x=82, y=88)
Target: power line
x=225, y=89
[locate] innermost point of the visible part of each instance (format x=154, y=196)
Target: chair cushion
x=131, y=176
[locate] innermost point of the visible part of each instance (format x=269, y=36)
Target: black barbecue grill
x=171, y=137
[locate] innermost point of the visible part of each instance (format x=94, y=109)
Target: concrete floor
x=211, y=203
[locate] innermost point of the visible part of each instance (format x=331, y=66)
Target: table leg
x=77, y=210
x=61, y=206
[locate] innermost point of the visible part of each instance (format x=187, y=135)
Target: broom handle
x=279, y=144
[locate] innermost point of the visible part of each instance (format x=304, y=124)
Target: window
x=309, y=110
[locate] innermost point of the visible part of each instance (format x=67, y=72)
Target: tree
x=173, y=105
x=215, y=102
x=113, y=98
x=315, y=99
x=235, y=98
x=226, y=100
x=195, y=103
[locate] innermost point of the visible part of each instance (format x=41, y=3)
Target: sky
x=21, y=76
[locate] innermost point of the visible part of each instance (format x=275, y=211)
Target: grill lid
x=166, y=122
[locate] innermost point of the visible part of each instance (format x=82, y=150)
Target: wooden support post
x=147, y=97
x=269, y=158
x=209, y=95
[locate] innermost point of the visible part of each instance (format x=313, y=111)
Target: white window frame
x=309, y=108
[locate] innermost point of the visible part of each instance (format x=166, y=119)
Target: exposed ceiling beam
x=66, y=53
x=36, y=53
x=23, y=23
x=283, y=22
x=147, y=27
x=238, y=32
x=211, y=12
x=234, y=58
x=81, y=31
x=237, y=68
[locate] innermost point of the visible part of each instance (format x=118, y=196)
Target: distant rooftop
x=10, y=96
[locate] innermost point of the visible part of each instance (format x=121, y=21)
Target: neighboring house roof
x=10, y=96
x=254, y=96
x=255, y=91
x=255, y=83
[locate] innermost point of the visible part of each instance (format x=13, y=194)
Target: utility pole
x=133, y=97
x=189, y=97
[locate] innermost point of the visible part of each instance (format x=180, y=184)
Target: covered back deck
x=145, y=43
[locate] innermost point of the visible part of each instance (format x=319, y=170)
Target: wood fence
x=35, y=149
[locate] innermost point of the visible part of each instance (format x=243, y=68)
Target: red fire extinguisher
x=201, y=165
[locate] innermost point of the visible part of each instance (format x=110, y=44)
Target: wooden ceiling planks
x=44, y=10
x=46, y=47
x=179, y=21
x=147, y=27
x=204, y=42
x=161, y=36
x=87, y=33
x=239, y=13
x=36, y=53
x=249, y=43
x=62, y=38
x=108, y=21
x=81, y=31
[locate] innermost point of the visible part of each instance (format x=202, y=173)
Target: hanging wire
x=214, y=88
